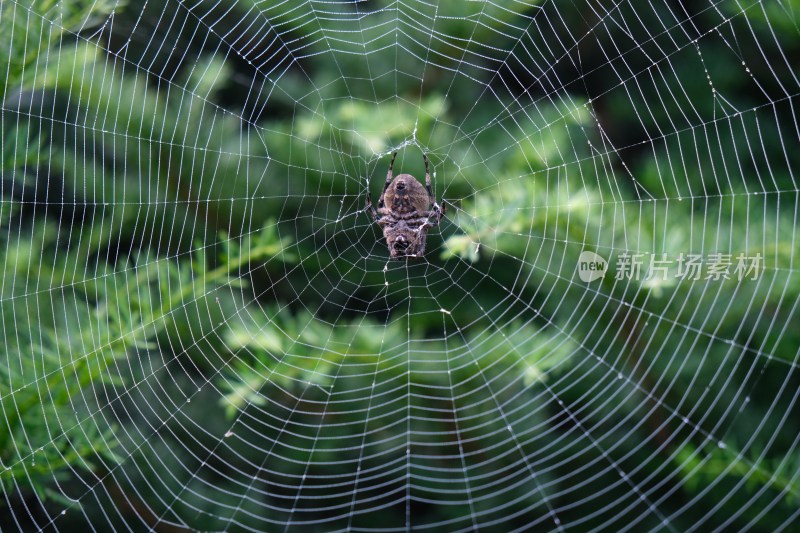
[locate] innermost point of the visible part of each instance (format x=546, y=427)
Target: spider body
x=406, y=211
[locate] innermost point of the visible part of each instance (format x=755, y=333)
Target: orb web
x=202, y=327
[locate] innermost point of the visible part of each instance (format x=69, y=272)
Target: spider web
x=202, y=328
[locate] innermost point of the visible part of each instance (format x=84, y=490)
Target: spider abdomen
x=406, y=195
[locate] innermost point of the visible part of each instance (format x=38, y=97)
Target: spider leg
x=388, y=180
x=436, y=213
x=436, y=210
x=428, y=179
x=433, y=218
x=370, y=207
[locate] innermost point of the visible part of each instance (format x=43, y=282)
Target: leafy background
x=199, y=322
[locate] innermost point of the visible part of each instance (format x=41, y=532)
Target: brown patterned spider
x=406, y=211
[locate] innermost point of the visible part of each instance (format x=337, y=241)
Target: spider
x=406, y=211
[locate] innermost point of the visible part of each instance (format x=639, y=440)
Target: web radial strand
x=202, y=327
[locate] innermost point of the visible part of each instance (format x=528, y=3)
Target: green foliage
x=166, y=152
x=200, y=229
x=66, y=330
x=51, y=360
x=29, y=29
